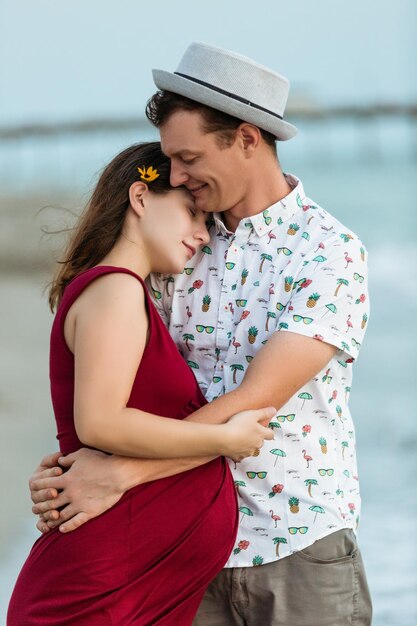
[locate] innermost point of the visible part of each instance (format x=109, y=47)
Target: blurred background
x=74, y=79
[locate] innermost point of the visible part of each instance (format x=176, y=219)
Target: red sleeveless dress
x=148, y=559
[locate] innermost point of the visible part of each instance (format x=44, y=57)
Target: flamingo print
x=231, y=308
x=348, y=260
x=189, y=314
x=271, y=290
x=307, y=458
x=235, y=344
x=271, y=236
x=275, y=517
x=349, y=323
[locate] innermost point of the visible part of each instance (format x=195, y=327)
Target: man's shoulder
x=323, y=225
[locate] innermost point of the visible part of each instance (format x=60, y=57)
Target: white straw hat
x=231, y=83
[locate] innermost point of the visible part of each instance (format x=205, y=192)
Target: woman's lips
x=190, y=249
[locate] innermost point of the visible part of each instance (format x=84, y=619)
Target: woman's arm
x=107, y=333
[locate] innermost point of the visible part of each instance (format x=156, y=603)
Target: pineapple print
x=312, y=300
x=293, y=504
x=288, y=283
x=257, y=560
x=206, y=304
x=252, y=334
x=364, y=320
x=293, y=229
x=323, y=445
x=244, y=276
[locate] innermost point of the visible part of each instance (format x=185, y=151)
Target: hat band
x=230, y=95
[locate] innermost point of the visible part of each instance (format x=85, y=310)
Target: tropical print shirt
x=294, y=268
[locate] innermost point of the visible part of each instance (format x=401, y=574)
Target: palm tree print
x=340, y=282
x=309, y=482
x=269, y=315
x=236, y=367
x=264, y=257
x=239, y=483
x=188, y=337
x=277, y=541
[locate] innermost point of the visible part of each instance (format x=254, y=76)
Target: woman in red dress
x=119, y=384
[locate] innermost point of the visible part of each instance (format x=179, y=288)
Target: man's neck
x=264, y=193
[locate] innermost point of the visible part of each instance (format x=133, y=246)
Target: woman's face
x=173, y=229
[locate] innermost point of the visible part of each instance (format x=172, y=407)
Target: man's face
x=213, y=173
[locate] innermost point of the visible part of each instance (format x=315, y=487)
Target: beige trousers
x=322, y=585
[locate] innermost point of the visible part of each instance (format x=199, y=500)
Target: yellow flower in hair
x=148, y=175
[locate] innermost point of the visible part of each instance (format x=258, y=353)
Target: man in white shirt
x=271, y=312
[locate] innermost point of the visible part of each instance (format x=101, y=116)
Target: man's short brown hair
x=164, y=103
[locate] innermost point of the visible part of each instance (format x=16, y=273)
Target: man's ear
x=249, y=136
x=137, y=192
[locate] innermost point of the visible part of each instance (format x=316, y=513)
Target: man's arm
x=96, y=481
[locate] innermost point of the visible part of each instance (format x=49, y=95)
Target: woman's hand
x=246, y=432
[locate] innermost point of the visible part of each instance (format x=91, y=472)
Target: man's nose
x=177, y=176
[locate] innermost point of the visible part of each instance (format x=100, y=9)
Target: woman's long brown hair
x=101, y=223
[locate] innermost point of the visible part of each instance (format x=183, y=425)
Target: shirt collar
x=278, y=213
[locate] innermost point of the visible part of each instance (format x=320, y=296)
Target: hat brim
x=167, y=81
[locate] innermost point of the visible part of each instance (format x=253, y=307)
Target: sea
x=366, y=177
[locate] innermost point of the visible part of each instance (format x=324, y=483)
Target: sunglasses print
x=188, y=270
x=323, y=472
x=289, y=418
x=230, y=265
x=305, y=320
x=208, y=329
x=285, y=251
x=358, y=277
x=241, y=302
x=258, y=474
x=293, y=530
x=355, y=343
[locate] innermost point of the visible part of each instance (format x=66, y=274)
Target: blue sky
x=85, y=58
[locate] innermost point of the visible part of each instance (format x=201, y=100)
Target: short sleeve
x=157, y=289
x=329, y=299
